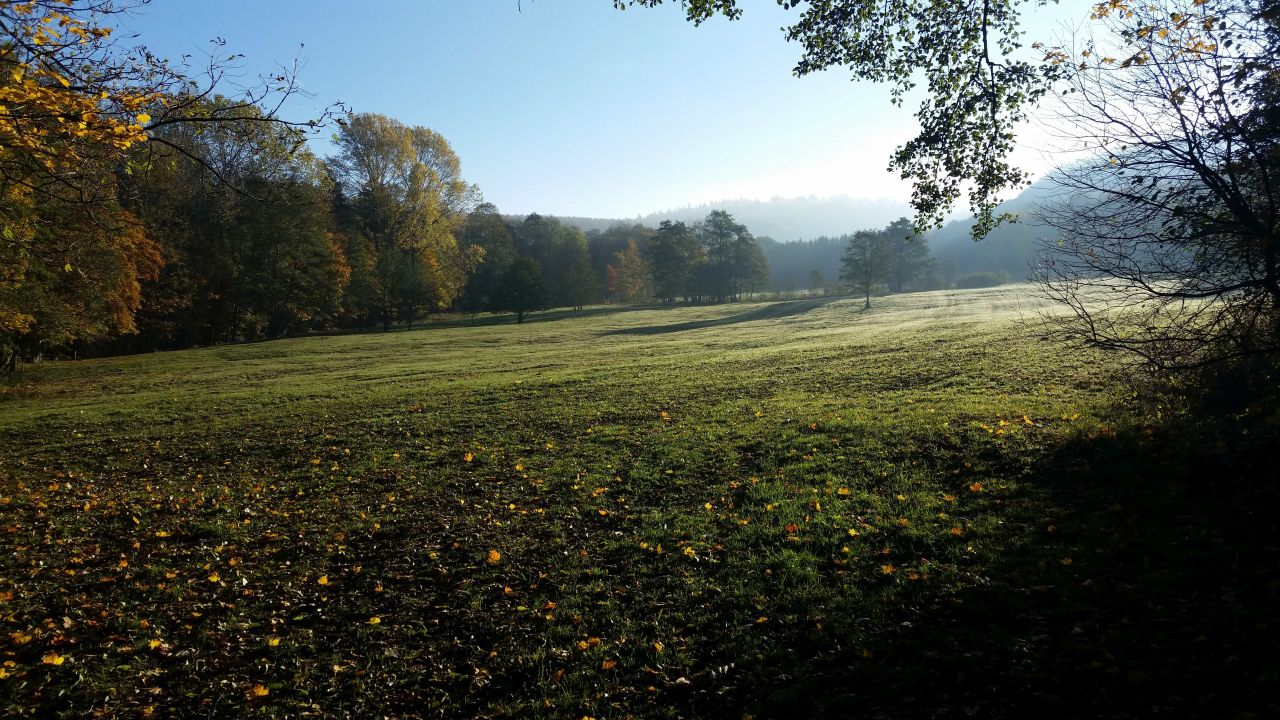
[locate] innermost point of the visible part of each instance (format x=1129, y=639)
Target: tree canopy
x=969, y=55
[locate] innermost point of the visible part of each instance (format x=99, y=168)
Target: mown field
x=768, y=510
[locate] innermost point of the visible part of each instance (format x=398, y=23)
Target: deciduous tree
x=521, y=290
x=1168, y=243
x=866, y=262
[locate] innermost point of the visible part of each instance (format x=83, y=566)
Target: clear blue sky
x=570, y=107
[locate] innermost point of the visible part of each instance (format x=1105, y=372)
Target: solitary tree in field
x=866, y=262
x=521, y=290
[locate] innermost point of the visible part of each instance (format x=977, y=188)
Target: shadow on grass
x=1128, y=586
x=490, y=319
x=772, y=311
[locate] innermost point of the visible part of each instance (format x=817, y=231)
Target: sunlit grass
x=665, y=512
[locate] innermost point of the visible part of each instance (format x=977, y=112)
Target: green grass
x=775, y=510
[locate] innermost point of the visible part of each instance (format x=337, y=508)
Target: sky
x=570, y=107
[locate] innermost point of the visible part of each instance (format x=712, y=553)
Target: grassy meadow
x=769, y=510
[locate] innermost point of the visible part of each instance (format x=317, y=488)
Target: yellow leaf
x=658, y=647
x=608, y=664
x=259, y=690
x=214, y=577
x=493, y=557
x=375, y=620
x=53, y=658
x=143, y=118
x=324, y=580
x=273, y=642
x=468, y=457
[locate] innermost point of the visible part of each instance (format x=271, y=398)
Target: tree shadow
x=490, y=319
x=772, y=311
x=1126, y=585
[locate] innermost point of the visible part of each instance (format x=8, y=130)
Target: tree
x=673, y=253
x=412, y=200
x=486, y=229
x=559, y=251
x=735, y=262
x=632, y=278
x=750, y=267
x=521, y=290
x=244, y=220
x=866, y=262
x=79, y=113
x=967, y=53
x=582, y=284
x=909, y=259
x=817, y=281
x=1167, y=244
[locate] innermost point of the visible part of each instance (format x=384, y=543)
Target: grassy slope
x=765, y=509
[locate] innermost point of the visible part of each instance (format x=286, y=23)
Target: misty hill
x=1010, y=247
x=801, y=235
x=783, y=219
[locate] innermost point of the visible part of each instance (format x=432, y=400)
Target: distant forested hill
x=802, y=235
x=1009, y=248
x=784, y=219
